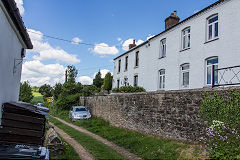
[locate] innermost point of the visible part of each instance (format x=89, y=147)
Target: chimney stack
x=172, y=20
x=132, y=45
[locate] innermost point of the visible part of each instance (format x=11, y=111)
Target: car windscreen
x=80, y=109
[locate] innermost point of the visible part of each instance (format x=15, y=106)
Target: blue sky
x=107, y=25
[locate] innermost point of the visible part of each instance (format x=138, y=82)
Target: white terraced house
x=187, y=54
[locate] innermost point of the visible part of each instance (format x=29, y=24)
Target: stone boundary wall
x=168, y=114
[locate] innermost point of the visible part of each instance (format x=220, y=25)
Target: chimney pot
x=172, y=20
x=132, y=45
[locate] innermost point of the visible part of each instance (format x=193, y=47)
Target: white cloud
x=46, y=51
x=105, y=49
x=38, y=73
x=125, y=45
x=20, y=6
x=150, y=36
x=76, y=40
x=119, y=39
x=85, y=80
x=103, y=73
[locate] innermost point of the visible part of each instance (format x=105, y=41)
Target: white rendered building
x=14, y=39
x=183, y=56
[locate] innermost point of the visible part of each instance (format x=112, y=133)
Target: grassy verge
x=144, y=146
x=69, y=152
x=96, y=148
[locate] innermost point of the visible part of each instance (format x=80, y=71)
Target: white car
x=79, y=113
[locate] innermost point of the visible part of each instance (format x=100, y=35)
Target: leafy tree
x=25, y=92
x=107, y=84
x=90, y=90
x=58, y=88
x=71, y=74
x=46, y=91
x=98, y=81
x=35, y=89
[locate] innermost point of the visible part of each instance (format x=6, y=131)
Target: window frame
x=187, y=40
x=210, y=66
x=182, y=72
x=161, y=79
x=119, y=65
x=118, y=83
x=126, y=63
x=163, y=48
x=213, y=28
x=135, y=80
x=137, y=59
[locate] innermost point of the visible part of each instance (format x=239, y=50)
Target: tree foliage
x=57, y=90
x=107, y=84
x=98, y=81
x=71, y=74
x=25, y=94
x=46, y=90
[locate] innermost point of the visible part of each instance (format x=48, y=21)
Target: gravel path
x=120, y=150
x=83, y=154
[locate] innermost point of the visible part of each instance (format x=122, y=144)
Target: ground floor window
x=185, y=75
x=162, y=79
x=118, y=83
x=135, y=80
x=211, y=64
x=125, y=81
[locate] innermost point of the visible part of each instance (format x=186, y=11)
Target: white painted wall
x=10, y=50
x=227, y=48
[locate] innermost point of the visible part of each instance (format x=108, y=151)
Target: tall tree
x=46, y=90
x=98, y=81
x=57, y=90
x=25, y=94
x=107, y=84
x=71, y=74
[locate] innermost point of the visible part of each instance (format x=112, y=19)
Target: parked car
x=79, y=113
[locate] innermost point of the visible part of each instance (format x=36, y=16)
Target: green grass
x=94, y=147
x=144, y=146
x=37, y=98
x=69, y=152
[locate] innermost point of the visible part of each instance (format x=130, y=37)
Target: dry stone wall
x=169, y=114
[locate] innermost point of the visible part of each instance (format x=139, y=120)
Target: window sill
x=211, y=40
x=125, y=70
x=118, y=72
x=184, y=49
x=162, y=57
x=136, y=67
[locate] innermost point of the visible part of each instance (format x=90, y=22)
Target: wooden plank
x=22, y=111
x=23, y=118
x=17, y=139
x=19, y=131
x=24, y=125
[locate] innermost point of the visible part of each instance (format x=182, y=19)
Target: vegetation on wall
x=223, y=127
x=128, y=89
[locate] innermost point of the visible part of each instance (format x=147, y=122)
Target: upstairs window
x=137, y=59
x=162, y=79
x=135, y=83
x=186, y=38
x=212, y=27
x=126, y=63
x=185, y=75
x=162, y=48
x=119, y=65
x=211, y=63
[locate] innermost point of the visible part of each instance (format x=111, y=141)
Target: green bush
x=66, y=102
x=128, y=89
x=222, y=132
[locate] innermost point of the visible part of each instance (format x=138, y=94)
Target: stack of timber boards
x=22, y=123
